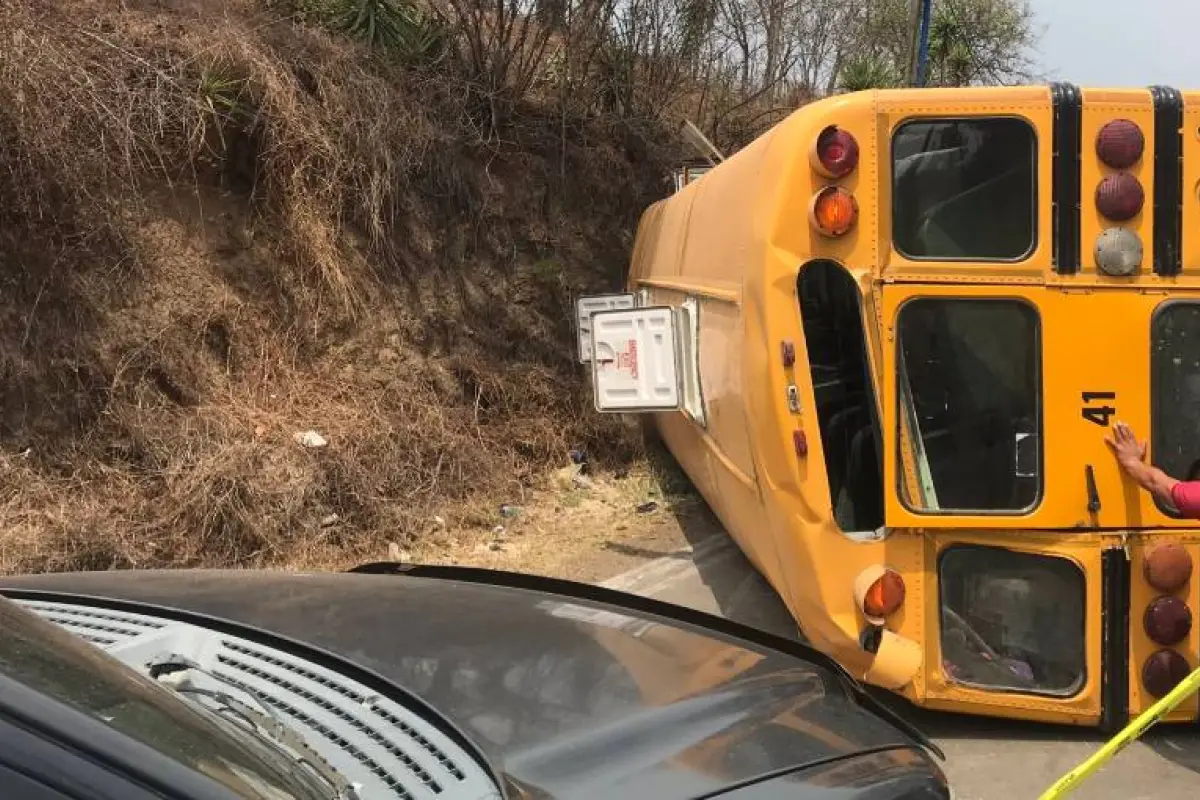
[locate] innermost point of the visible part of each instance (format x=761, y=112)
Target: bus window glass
x=1011, y=621
x=1175, y=394
x=964, y=189
x=969, y=392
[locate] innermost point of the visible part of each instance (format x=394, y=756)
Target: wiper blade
x=179, y=672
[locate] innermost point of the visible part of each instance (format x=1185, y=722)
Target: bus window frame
x=1035, y=204
x=1164, y=306
x=902, y=413
x=1081, y=683
x=874, y=404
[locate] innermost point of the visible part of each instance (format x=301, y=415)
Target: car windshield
x=62, y=666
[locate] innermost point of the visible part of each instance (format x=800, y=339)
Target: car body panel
x=568, y=697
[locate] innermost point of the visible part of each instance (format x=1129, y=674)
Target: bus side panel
x=669, y=245
x=645, y=244
x=683, y=437
x=715, y=255
x=717, y=457
x=739, y=504
x=655, y=261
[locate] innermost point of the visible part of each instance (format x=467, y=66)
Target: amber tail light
x=833, y=211
x=880, y=592
x=1167, y=567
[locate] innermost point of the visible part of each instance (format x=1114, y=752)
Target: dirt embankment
x=220, y=231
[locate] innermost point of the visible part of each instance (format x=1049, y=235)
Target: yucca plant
x=392, y=25
x=219, y=92
x=222, y=102
x=867, y=72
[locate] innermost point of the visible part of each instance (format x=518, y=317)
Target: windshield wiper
x=179, y=673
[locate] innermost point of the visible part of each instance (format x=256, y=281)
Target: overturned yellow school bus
x=887, y=341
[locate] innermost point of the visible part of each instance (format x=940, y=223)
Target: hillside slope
x=220, y=229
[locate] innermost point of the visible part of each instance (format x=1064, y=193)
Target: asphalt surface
x=986, y=759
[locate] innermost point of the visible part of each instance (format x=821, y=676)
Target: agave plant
x=867, y=72
x=395, y=26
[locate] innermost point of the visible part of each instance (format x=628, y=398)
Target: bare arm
x=1152, y=479
x=1131, y=455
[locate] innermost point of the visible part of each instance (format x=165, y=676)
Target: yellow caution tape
x=1067, y=783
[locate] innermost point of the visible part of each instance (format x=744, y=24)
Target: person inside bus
x=1182, y=495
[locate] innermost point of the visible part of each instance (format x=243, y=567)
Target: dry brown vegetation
x=218, y=229
x=224, y=223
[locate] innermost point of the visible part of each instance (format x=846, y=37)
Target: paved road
x=986, y=759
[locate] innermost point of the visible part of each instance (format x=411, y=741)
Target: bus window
x=1011, y=620
x=969, y=391
x=1175, y=390
x=964, y=189
x=845, y=399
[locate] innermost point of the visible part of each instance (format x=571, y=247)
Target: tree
x=971, y=42
x=866, y=72
x=980, y=42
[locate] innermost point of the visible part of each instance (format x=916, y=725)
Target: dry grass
x=218, y=229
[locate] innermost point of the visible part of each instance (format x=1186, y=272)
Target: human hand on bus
x=1126, y=446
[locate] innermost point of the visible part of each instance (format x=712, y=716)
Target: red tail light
x=1120, y=144
x=1167, y=620
x=1163, y=671
x=1120, y=197
x=836, y=153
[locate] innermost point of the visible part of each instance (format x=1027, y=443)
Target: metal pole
x=923, y=42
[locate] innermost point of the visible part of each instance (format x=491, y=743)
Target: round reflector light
x=1118, y=252
x=1163, y=671
x=1120, y=144
x=1167, y=620
x=884, y=596
x=835, y=154
x=1120, y=197
x=834, y=211
x=1167, y=567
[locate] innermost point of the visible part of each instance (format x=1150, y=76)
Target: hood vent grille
x=100, y=626
x=372, y=740
x=265, y=671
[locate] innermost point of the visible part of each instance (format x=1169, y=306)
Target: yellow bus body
x=736, y=240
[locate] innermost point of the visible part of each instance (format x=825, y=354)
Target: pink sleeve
x=1186, y=495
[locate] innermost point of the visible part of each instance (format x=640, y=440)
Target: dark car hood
x=571, y=697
